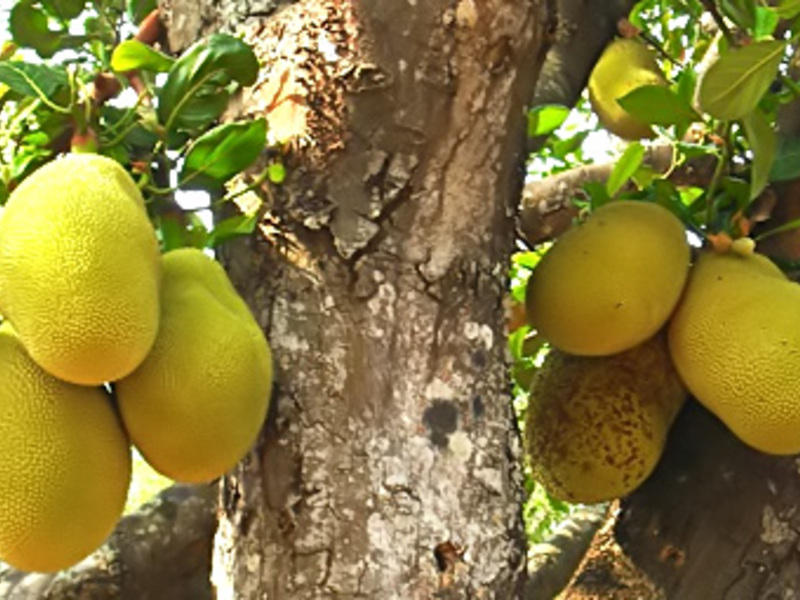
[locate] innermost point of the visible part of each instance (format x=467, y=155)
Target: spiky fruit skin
x=625, y=65
x=197, y=403
x=611, y=282
x=65, y=464
x=596, y=426
x=79, y=269
x=735, y=340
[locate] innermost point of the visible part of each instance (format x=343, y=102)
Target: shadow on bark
x=161, y=551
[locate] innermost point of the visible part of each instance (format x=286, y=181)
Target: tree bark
x=390, y=467
x=161, y=551
x=716, y=519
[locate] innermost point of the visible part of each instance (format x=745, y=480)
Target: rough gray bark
x=161, y=551
x=390, y=467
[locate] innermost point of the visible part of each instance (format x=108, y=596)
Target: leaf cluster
x=93, y=76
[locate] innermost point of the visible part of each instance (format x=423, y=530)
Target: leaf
x=64, y=9
x=276, y=173
x=787, y=161
x=787, y=9
x=626, y=166
x=658, y=105
x=546, y=118
x=231, y=228
x=224, y=151
x=765, y=23
x=598, y=195
x=561, y=148
x=139, y=9
x=35, y=80
x=198, y=85
x=741, y=12
x=734, y=84
x=131, y=55
x=763, y=142
x=28, y=27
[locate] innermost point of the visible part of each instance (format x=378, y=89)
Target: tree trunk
x=390, y=466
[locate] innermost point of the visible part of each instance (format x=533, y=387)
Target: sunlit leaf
x=658, y=105
x=546, y=118
x=734, y=84
x=625, y=167
x=765, y=22
x=277, y=172
x=133, y=54
x=224, y=151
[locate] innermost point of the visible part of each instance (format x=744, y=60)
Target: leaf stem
x=717, y=176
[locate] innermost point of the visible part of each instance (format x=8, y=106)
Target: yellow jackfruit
x=79, y=269
x=197, y=403
x=735, y=340
x=596, y=426
x=65, y=464
x=612, y=282
x=625, y=65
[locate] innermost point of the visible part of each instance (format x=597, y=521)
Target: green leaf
x=35, y=80
x=765, y=23
x=224, y=151
x=561, y=148
x=231, y=228
x=626, y=166
x=198, y=85
x=28, y=26
x=546, y=118
x=139, y=9
x=788, y=9
x=64, y=9
x=276, y=173
x=787, y=161
x=763, y=142
x=658, y=105
x=598, y=195
x=741, y=12
x=131, y=55
x=734, y=84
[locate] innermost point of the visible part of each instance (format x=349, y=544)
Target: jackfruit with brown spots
x=611, y=282
x=596, y=426
x=735, y=340
x=65, y=464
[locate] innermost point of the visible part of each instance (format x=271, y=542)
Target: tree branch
x=553, y=563
x=161, y=551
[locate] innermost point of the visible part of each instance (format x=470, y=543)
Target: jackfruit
x=735, y=341
x=196, y=404
x=612, y=282
x=596, y=426
x=65, y=464
x=79, y=269
x=625, y=65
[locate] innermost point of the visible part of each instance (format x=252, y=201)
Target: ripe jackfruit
x=625, y=65
x=612, y=282
x=79, y=269
x=65, y=464
x=596, y=426
x=735, y=340
x=197, y=403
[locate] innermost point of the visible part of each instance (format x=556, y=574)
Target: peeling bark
x=390, y=467
x=161, y=551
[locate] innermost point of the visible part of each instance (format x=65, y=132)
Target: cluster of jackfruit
x=106, y=342
x=634, y=324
